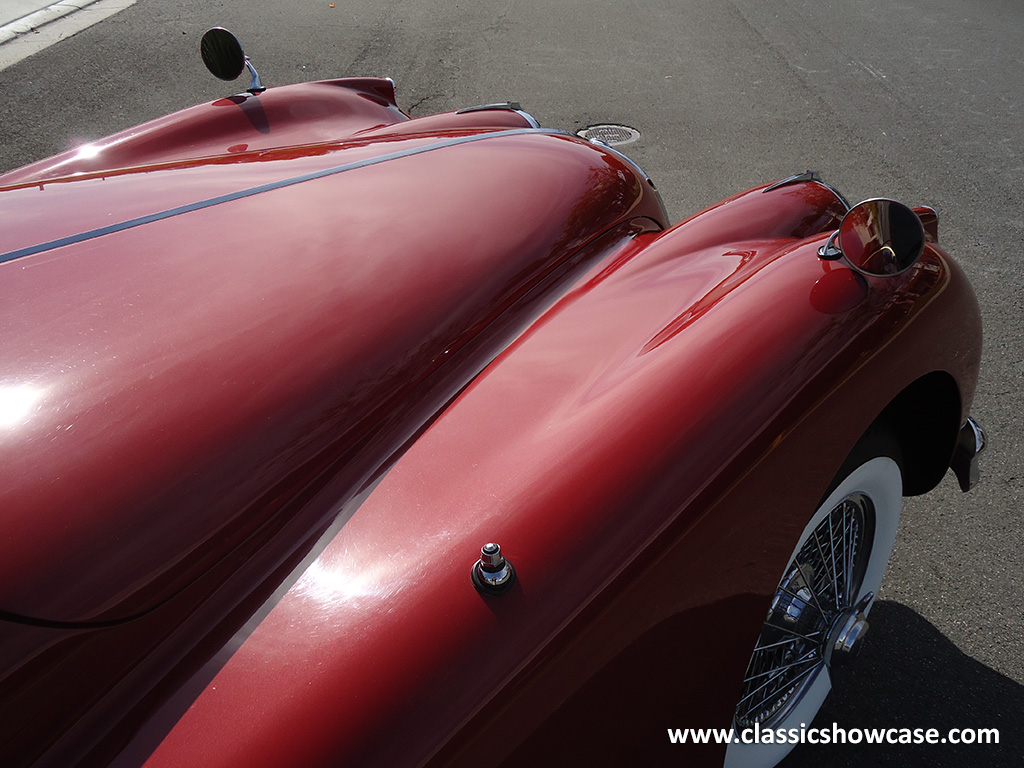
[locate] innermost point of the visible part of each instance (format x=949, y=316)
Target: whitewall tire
x=818, y=615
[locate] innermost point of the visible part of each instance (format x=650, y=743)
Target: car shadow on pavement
x=910, y=675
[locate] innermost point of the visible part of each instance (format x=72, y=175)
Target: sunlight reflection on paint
x=332, y=583
x=16, y=404
x=87, y=151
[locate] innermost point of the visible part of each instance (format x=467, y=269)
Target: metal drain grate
x=611, y=134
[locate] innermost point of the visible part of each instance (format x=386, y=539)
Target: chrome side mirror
x=879, y=238
x=222, y=54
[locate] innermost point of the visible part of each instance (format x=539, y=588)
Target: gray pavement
x=921, y=101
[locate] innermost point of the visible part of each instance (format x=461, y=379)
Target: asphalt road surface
x=920, y=100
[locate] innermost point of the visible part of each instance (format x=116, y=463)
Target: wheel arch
x=924, y=419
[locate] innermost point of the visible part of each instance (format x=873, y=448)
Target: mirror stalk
x=256, y=86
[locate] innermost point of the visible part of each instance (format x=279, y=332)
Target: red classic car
x=335, y=437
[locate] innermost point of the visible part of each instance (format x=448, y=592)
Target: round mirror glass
x=881, y=237
x=222, y=53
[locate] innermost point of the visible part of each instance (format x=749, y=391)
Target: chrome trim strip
x=629, y=161
x=512, y=106
x=622, y=156
x=798, y=178
x=496, y=105
x=836, y=192
x=528, y=118
x=970, y=443
x=251, y=191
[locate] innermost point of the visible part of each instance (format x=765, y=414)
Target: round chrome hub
x=846, y=638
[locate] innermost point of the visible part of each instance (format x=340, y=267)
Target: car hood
x=191, y=345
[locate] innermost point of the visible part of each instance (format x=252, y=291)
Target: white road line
x=32, y=33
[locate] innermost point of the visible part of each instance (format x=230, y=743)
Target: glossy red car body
x=277, y=366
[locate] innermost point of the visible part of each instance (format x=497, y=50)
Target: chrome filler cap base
x=492, y=574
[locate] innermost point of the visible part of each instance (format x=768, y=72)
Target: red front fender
x=646, y=454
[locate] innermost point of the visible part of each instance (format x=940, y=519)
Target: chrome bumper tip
x=969, y=445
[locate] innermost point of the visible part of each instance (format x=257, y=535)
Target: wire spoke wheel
x=820, y=585
x=818, y=615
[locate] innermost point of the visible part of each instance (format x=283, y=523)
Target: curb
x=40, y=29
